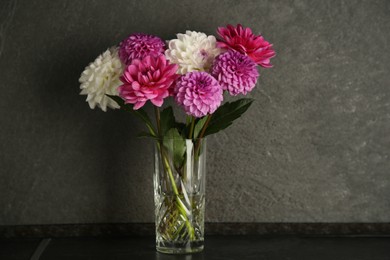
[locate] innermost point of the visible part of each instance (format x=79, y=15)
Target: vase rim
x=173, y=138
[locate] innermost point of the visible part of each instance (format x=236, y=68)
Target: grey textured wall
x=314, y=147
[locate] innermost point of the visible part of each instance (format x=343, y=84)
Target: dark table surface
x=216, y=247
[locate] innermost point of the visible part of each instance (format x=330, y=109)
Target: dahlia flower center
x=204, y=54
x=201, y=84
x=202, y=87
x=149, y=77
x=239, y=67
x=142, y=47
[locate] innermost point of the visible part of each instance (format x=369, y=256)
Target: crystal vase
x=179, y=195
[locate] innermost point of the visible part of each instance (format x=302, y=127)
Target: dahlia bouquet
x=196, y=71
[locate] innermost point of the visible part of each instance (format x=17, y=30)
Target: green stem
x=168, y=169
x=188, y=120
x=197, y=146
x=179, y=203
x=192, y=128
x=157, y=113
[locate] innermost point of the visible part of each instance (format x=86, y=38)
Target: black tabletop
x=216, y=247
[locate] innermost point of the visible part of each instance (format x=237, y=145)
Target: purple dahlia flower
x=138, y=46
x=235, y=72
x=198, y=93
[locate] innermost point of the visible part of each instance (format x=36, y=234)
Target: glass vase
x=179, y=195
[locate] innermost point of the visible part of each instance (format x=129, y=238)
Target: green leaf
x=224, y=116
x=198, y=126
x=167, y=120
x=140, y=113
x=146, y=134
x=176, y=145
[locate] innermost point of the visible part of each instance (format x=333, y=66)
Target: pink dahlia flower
x=138, y=46
x=198, y=93
x=244, y=41
x=235, y=72
x=148, y=79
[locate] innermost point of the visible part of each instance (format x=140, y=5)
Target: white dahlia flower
x=101, y=77
x=192, y=51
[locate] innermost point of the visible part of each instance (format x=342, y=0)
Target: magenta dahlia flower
x=244, y=41
x=198, y=93
x=148, y=79
x=235, y=72
x=138, y=46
